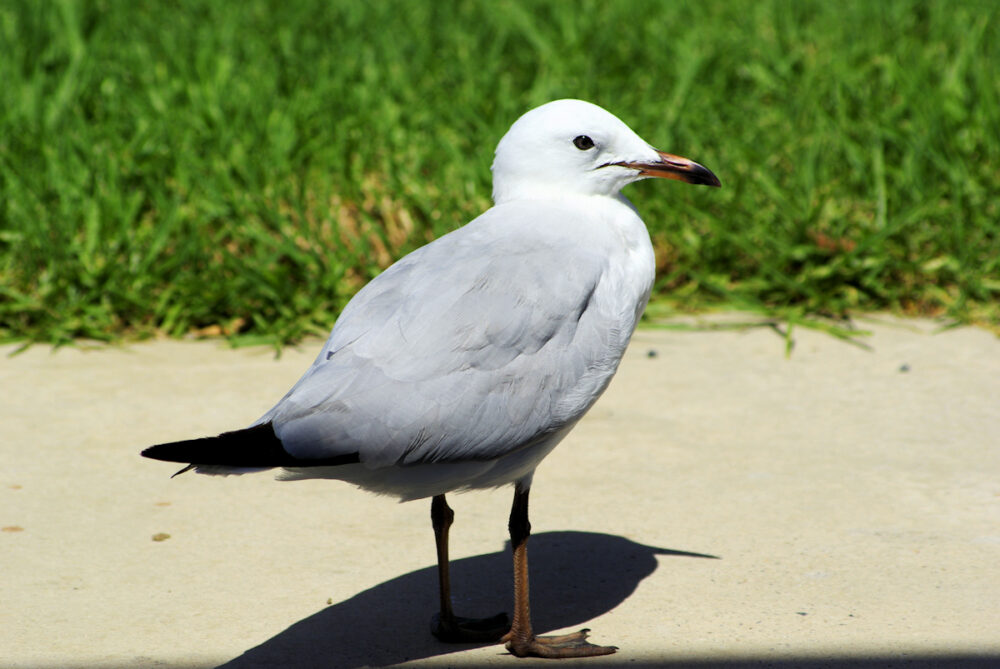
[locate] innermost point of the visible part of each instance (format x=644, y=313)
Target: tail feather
x=256, y=446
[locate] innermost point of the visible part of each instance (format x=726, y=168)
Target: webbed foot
x=564, y=645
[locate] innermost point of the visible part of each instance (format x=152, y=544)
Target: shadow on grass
x=575, y=576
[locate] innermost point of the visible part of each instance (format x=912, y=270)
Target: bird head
x=574, y=147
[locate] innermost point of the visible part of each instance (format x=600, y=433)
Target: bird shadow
x=577, y=576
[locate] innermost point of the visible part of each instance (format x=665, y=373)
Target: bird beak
x=670, y=166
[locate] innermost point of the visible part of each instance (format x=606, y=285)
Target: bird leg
x=445, y=625
x=521, y=640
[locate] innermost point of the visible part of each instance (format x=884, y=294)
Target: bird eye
x=583, y=143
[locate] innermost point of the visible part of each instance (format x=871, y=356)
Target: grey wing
x=450, y=355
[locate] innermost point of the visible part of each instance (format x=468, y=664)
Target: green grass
x=243, y=168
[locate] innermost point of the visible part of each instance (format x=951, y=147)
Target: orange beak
x=670, y=166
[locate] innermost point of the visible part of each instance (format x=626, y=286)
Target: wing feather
x=452, y=356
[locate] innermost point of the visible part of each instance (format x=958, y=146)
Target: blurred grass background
x=243, y=168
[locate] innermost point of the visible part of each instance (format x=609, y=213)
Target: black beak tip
x=705, y=177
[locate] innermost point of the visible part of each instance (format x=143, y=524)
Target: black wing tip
x=157, y=452
x=256, y=446
x=251, y=447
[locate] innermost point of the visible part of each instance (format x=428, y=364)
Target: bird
x=464, y=363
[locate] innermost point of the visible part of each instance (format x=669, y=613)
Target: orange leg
x=521, y=640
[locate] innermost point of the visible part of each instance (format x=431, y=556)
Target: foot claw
x=469, y=630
